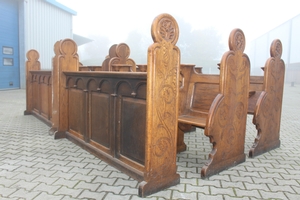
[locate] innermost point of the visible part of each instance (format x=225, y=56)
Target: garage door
x=9, y=44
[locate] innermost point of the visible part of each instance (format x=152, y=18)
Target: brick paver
x=35, y=166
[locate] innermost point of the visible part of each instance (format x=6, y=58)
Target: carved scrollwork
x=168, y=94
x=162, y=145
x=239, y=109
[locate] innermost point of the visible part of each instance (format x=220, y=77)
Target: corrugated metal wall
x=44, y=25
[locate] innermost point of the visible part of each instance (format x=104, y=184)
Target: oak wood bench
x=218, y=104
x=39, y=82
x=128, y=119
x=38, y=88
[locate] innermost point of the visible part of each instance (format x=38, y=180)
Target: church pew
x=38, y=88
x=218, y=104
x=127, y=119
x=266, y=111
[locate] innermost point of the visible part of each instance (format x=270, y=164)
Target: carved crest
x=165, y=27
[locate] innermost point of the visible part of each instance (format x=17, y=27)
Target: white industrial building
x=25, y=25
x=289, y=34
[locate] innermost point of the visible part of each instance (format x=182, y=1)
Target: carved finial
x=123, y=51
x=237, y=41
x=112, y=51
x=276, y=48
x=68, y=47
x=33, y=55
x=56, y=47
x=165, y=27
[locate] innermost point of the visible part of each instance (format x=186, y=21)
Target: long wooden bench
x=116, y=60
x=39, y=82
x=218, y=104
x=266, y=104
x=127, y=119
x=38, y=88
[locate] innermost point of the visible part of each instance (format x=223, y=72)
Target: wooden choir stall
x=134, y=116
x=127, y=118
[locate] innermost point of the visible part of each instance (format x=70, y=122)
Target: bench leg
x=267, y=137
x=182, y=128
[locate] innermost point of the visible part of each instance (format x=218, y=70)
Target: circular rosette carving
x=68, y=47
x=276, y=49
x=277, y=104
x=167, y=94
x=33, y=55
x=237, y=41
x=162, y=145
x=165, y=27
x=268, y=103
x=228, y=135
x=239, y=110
x=223, y=113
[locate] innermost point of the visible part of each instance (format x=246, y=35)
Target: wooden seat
x=193, y=120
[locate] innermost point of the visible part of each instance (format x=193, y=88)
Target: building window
x=8, y=50
x=8, y=61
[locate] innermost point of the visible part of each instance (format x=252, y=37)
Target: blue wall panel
x=9, y=40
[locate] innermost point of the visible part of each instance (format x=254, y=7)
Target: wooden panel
x=35, y=94
x=100, y=118
x=76, y=112
x=132, y=129
x=44, y=100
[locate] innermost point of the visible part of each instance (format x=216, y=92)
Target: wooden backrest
x=90, y=68
x=65, y=59
x=255, y=89
x=197, y=91
x=122, y=62
x=111, y=54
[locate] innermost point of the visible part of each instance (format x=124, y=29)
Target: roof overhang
x=80, y=40
x=61, y=6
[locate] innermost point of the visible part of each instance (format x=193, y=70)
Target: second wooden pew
x=219, y=104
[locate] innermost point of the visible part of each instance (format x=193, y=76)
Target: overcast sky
x=116, y=18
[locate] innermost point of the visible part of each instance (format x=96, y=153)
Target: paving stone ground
x=35, y=166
